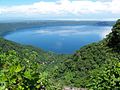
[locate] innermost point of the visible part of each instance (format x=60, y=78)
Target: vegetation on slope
x=37, y=62
x=27, y=68
x=95, y=66
x=48, y=58
x=17, y=73
x=84, y=68
x=106, y=77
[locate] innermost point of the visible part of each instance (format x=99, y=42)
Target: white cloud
x=64, y=7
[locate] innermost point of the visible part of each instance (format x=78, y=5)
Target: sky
x=59, y=9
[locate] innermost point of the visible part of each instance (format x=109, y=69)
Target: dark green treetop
x=114, y=36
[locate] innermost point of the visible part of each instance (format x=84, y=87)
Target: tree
x=114, y=36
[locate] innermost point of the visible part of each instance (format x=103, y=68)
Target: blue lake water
x=60, y=39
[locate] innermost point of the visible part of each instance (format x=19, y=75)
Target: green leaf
x=18, y=68
x=3, y=78
x=27, y=74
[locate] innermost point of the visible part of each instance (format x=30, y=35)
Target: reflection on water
x=60, y=39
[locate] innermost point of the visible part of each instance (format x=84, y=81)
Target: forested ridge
x=95, y=66
x=17, y=61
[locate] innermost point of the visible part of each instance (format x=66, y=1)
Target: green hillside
x=95, y=66
x=26, y=67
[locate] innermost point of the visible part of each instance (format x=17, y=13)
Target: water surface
x=60, y=39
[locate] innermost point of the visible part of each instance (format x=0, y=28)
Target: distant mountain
x=13, y=26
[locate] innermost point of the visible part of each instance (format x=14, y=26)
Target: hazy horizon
x=34, y=20
x=59, y=10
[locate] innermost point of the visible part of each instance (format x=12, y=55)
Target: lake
x=60, y=39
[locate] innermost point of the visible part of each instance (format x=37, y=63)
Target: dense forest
x=95, y=66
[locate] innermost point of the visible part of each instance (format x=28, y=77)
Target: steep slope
x=47, y=59
x=114, y=37
x=23, y=69
x=26, y=68
x=50, y=68
x=75, y=71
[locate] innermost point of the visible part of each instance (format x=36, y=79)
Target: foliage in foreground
x=95, y=66
x=107, y=77
x=18, y=73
